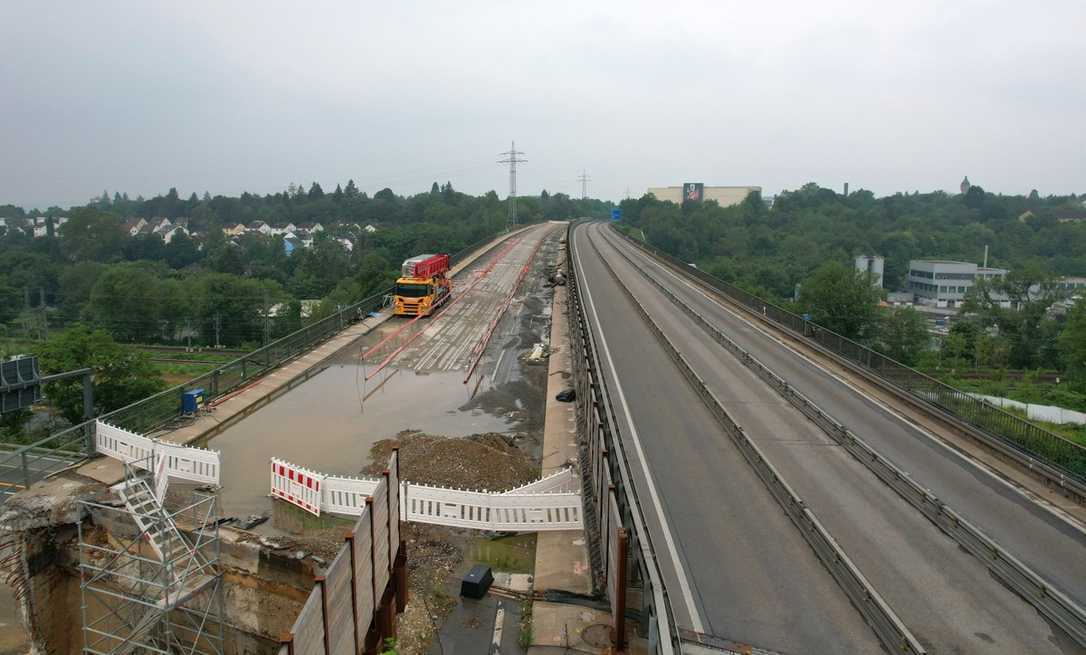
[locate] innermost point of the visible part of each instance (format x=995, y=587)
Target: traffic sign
x=616, y=214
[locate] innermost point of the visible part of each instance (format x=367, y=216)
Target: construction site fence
x=21, y=466
x=352, y=606
x=611, y=505
x=1061, y=461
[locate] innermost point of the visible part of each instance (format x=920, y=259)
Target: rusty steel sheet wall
x=347, y=598
x=308, y=628
x=363, y=575
x=604, y=520
x=394, y=506
x=380, y=537
x=614, y=522
x=337, y=589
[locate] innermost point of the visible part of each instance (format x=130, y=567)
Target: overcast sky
x=230, y=96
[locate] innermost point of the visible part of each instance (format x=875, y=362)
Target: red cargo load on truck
x=425, y=266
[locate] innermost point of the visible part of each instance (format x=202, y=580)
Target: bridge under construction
x=735, y=480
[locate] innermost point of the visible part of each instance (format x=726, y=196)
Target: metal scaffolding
x=150, y=582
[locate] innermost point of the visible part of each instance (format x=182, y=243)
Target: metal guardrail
x=1051, y=602
x=886, y=624
x=1058, y=460
x=656, y=617
x=29, y=463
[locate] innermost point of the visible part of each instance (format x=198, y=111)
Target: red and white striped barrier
x=552, y=503
x=296, y=485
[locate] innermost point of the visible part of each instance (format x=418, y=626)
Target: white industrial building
x=944, y=282
x=725, y=196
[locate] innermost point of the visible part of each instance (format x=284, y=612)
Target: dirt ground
x=481, y=461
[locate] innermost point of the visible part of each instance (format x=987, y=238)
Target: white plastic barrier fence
x=189, y=463
x=183, y=462
x=296, y=485
x=559, y=481
x=121, y=444
x=552, y=503
x=344, y=495
x=491, y=511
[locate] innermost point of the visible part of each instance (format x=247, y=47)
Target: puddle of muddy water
x=513, y=554
x=330, y=422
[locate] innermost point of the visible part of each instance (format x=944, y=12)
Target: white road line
x=1024, y=492
x=499, y=624
x=688, y=597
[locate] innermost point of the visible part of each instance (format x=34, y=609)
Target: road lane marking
x=684, y=583
x=1039, y=501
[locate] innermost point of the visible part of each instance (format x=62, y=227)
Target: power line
x=584, y=180
x=512, y=157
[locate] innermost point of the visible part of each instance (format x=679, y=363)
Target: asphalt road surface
x=946, y=597
x=732, y=561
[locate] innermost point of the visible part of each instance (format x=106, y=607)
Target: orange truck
x=423, y=285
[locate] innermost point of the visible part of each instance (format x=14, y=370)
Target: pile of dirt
x=481, y=461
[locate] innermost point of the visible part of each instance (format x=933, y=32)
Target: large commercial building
x=944, y=282
x=725, y=196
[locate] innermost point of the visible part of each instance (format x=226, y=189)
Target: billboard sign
x=693, y=192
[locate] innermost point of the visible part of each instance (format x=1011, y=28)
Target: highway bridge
x=774, y=502
x=733, y=564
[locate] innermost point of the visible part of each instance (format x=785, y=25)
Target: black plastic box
x=476, y=581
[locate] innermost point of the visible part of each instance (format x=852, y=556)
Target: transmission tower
x=512, y=157
x=584, y=180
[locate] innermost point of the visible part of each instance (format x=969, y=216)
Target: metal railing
x=1059, y=460
x=21, y=466
x=607, y=477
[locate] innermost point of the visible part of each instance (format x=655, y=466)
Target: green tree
x=10, y=301
x=1072, y=342
x=92, y=235
x=121, y=376
x=842, y=299
x=903, y=335
x=126, y=300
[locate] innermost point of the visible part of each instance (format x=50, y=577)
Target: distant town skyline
x=232, y=97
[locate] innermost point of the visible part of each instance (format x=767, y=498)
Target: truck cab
x=423, y=286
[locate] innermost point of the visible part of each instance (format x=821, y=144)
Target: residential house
x=346, y=243
x=311, y=227
x=160, y=224
x=236, y=231
x=134, y=226
x=172, y=232
x=1071, y=216
x=369, y=228
x=259, y=226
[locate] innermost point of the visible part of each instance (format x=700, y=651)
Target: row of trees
x=210, y=290
x=88, y=288
x=808, y=238
x=773, y=249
